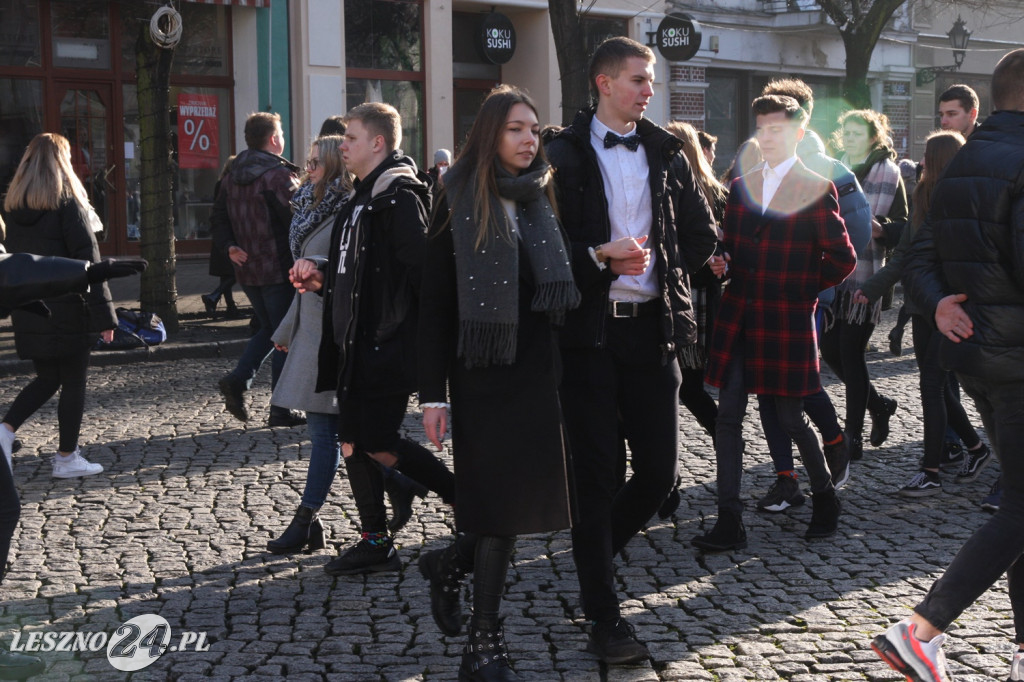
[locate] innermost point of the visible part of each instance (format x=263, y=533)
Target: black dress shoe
x=233, y=391
x=727, y=534
x=15, y=666
x=615, y=643
x=880, y=422
x=279, y=416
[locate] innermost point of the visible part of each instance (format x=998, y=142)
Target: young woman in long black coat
x=497, y=282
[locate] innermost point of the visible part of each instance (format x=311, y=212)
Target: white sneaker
x=7, y=439
x=74, y=466
x=905, y=653
x=1017, y=667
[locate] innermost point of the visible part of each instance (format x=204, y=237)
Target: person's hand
x=283, y=349
x=720, y=264
x=952, y=320
x=859, y=297
x=111, y=268
x=435, y=423
x=876, y=229
x=627, y=256
x=237, y=255
x=107, y=335
x=305, y=276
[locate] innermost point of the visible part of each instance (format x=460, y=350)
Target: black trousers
x=632, y=383
x=10, y=511
x=67, y=373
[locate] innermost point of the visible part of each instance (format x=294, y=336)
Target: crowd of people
x=502, y=293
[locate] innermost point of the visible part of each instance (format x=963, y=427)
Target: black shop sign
x=497, y=38
x=678, y=37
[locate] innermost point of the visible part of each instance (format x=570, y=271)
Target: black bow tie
x=631, y=142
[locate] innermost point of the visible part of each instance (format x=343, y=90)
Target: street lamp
x=959, y=36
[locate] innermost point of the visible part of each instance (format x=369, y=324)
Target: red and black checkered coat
x=780, y=261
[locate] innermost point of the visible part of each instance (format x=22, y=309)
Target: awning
x=236, y=3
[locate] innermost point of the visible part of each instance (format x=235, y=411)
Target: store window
x=406, y=96
x=19, y=33
x=203, y=47
x=80, y=31
x=21, y=119
x=596, y=30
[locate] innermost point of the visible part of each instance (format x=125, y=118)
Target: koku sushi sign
x=678, y=37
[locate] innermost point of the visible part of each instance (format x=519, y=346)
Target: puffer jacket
x=252, y=211
x=682, y=239
x=76, y=319
x=368, y=344
x=972, y=242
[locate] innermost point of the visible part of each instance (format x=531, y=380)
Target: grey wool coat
x=300, y=332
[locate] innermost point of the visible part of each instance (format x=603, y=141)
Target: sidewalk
x=199, y=335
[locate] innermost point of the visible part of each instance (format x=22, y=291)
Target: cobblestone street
x=177, y=526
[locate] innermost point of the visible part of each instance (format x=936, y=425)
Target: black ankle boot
x=305, y=531
x=727, y=534
x=856, y=444
x=443, y=570
x=401, y=491
x=485, y=658
x=824, y=516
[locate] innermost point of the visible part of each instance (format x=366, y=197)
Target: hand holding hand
x=876, y=229
x=305, y=276
x=720, y=264
x=952, y=320
x=627, y=256
x=859, y=297
x=237, y=255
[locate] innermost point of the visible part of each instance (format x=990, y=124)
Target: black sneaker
x=615, y=643
x=837, y=456
x=973, y=464
x=991, y=501
x=280, y=416
x=365, y=557
x=783, y=494
x=923, y=484
x=880, y=422
x=952, y=456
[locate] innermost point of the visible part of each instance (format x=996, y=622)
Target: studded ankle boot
x=444, y=571
x=485, y=658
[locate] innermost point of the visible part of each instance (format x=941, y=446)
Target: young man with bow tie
x=638, y=229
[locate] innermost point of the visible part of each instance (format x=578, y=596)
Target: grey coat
x=300, y=332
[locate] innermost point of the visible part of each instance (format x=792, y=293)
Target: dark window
x=383, y=34
x=19, y=33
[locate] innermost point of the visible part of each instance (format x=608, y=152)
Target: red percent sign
x=197, y=131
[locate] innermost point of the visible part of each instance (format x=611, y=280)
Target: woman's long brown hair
x=939, y=149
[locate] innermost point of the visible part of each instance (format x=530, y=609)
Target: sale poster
x=198, y=145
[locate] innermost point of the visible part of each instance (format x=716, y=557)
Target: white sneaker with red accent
x=1017, y=667
x=918, y=660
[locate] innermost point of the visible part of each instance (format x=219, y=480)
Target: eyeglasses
x=312, y=164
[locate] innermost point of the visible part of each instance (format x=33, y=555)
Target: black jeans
x=996, y=547
x=819, y=409
x=10, y=511
x=732, y=407
x=631, y=380
x=67, y=373
x=842, y=347
x=939, y=404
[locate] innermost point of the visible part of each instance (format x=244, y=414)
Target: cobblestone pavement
x=178, y=522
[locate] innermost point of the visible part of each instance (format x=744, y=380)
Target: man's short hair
x=259, y=128
x=611, y=55
x=773, y=104
x=1008, y=82
x=380, y=119
x=332, y=125
x=706, y=139
x=795, y=88
x=963, y=94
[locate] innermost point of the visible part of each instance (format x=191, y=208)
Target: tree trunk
x=158, y=292
x=858, y=60
x=572, y=57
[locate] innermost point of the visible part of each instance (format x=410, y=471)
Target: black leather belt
x=631, y=309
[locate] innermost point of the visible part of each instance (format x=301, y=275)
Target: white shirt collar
x=599, y=129
x=781, y=169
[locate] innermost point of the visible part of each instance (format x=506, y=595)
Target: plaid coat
x=780, y=261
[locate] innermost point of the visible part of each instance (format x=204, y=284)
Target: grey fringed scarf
x=488, y=278
x=306, y=216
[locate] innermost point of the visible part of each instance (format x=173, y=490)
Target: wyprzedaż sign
x=678, y=37
x=197, y=131
x=497, y=38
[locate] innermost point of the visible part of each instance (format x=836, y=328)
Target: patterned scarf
x=306, y=216
x=488, y=277
x=879, y=176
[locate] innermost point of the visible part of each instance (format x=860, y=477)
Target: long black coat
x=511, y=473
x=76, y=319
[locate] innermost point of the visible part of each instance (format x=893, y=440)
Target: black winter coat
x=972, y=242
x=76, y=319
x=682, y=238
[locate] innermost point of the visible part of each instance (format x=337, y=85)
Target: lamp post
x=959, y=37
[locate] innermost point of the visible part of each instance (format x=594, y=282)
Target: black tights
x=843, y=348
x=67, y=373
x=10, y=510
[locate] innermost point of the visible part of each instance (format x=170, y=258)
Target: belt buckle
x=629, y=309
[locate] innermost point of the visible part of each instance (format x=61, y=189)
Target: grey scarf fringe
x=487, y=343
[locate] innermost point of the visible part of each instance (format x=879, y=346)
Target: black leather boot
x=444, y=569
x=304, y=533
x=824, y=516
x=485, y=658
x=727, y=534
x=401, y=491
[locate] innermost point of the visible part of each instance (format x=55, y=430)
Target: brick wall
x=686, y=105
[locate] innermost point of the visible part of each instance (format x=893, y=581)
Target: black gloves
x=109, y=268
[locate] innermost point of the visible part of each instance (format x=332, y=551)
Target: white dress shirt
x=772, y=180
x=628, y=192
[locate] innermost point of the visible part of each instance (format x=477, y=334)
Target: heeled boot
x=401, y=491
x=305, y=533
x=727, y=534
x=485, y=658
x=444, y=569
x=824, y=515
